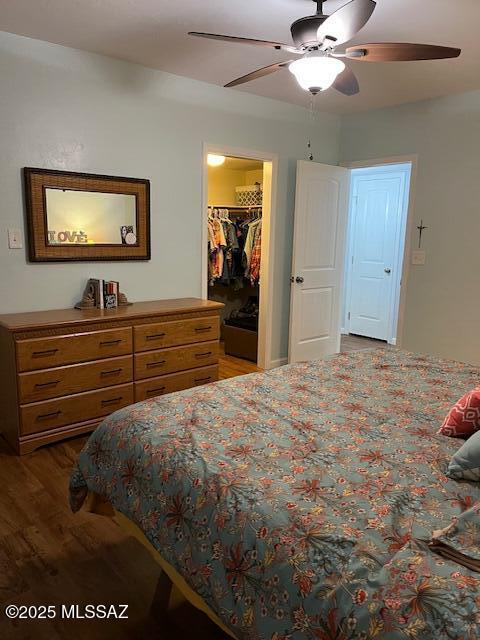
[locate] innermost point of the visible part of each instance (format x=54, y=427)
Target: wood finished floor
x=358, y=343
x=50, y=556
x=231, y=367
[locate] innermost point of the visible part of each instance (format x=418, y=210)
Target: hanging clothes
x=232, y=246
x=253, y=227
x=217, y=245
x=238, y=263
x=254, y=274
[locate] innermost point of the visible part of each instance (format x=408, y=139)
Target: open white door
x=318, y=260
x=379, y=211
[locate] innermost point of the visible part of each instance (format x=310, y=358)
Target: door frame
x=270, y=178
x=401, y=286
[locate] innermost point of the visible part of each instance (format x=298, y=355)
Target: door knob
x=299, y=279
x=388, y=270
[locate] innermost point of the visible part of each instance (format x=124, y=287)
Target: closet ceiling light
x=316, y=73
x=215, y=160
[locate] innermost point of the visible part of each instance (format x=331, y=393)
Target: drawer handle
x=109, y=343
x=44, y=385
x=152, y=365
x=155, y=336
x=204, y=355
x=113, y=372
x=47, y=352
x=112, y=401
x=49, y=416
x=203, y=379
x=150, y=391
x=200, y=329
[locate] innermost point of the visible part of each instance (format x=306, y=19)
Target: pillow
x=465, y=464
x=464, y=418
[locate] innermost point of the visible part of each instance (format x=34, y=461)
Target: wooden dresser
x=62, y=372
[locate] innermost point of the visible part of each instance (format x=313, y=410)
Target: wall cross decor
x=421, y=228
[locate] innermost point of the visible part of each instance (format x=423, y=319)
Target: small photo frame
x=110, y=301
x=129, y=237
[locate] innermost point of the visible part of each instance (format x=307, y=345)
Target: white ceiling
x=154, y=33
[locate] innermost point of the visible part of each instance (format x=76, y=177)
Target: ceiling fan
x=316, y=39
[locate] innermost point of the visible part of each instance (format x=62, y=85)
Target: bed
x=298, y=503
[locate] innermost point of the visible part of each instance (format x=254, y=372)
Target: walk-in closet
x=235, y=205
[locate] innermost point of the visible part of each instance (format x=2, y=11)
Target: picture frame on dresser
x=73, y=217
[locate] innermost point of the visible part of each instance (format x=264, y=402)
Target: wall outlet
x=15, y=240
x=419, y=257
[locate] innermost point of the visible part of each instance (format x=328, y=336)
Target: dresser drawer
x=175, y=382
x=64, y=381
x=171, y=334
x=43, y=416
x=44, y=353
x=154, y=363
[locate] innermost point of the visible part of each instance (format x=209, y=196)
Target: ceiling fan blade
x=400, y=52
x=347, y=83
x=234, y=39
x=346, y=22
x=259, y=73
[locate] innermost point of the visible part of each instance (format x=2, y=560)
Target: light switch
x=15, y=239
x=419, y=257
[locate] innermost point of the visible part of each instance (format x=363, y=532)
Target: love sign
x=67, y=237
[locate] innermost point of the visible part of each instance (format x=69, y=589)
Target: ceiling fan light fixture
x=215, y=160
x=316, y=73
x=316, y=39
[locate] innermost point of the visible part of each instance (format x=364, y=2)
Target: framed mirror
x=81, y=216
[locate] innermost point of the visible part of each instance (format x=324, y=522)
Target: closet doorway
x=237, y=228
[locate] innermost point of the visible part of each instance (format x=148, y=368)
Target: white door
x=318, y=260
x=376, y=227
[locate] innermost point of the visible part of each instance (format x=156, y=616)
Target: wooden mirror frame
x=37, y=180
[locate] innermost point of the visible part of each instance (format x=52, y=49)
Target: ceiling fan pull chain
x=312, y=114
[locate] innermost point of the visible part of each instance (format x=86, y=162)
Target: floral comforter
x=299, y=502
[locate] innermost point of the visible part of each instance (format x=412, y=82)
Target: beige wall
x=222, y=182
x=443, y=301
x=251, y=177
x=67, y=109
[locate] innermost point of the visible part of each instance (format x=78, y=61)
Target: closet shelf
x=234, y=206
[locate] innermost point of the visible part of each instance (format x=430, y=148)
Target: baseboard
x=393, y=341
x=278, y=363
x=343, y=331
